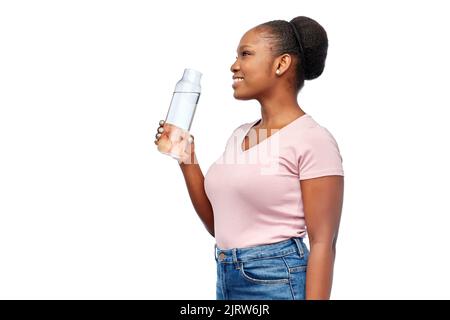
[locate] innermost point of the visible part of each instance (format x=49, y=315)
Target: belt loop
x=298, y=242
x=236, y=264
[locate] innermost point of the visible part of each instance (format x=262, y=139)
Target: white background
x=89, y=209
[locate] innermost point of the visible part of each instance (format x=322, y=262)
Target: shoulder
x=242, y=128
x=317, y=135
x=316, y=141
x=237, y=132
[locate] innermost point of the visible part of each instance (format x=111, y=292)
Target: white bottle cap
x=190, y=82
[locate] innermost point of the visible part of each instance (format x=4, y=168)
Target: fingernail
x=161, y=122
x=160, y=129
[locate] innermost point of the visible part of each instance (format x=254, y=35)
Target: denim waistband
x=277, y=249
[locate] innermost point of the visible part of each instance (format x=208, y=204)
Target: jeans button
x=222, y=256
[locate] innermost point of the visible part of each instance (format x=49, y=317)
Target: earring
x=278, y=71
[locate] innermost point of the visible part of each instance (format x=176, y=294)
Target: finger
x=157, y=136
x=161, y=122
x=160, y=129
x=167, y=127
x=156, y=141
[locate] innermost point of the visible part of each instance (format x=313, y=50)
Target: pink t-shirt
x=255, y=194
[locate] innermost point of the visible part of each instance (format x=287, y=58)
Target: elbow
x=328, y=244
x=211, y=230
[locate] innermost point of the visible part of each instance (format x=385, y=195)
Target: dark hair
x=314, y=41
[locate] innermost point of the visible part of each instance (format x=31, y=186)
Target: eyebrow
x=243, y=46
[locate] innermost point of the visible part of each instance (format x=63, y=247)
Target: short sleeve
x=319, y=155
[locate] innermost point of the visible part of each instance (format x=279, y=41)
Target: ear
x=283, y=63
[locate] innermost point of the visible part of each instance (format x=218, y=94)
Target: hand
x=188, y=156
x=164, y=143
x=162, y=136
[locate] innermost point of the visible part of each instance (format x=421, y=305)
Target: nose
x=234, y=67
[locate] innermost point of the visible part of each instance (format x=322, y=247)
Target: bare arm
x=194, y=179
x=322, y=200
x=195, y=184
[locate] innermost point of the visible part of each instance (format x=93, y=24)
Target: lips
x=236, y=81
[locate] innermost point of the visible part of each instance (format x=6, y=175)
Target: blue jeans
x=275, y=271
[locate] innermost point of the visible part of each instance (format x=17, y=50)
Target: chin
x=239, y=96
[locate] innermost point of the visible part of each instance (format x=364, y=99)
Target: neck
x=276, y=113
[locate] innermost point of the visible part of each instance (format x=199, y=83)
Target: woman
x=259, y=214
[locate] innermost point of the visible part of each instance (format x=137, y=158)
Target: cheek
x=261, y=78
x=257, y=72
x=261, y=69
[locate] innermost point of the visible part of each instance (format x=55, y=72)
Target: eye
x=245, y=53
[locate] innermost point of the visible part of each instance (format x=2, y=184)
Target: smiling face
x=255, y=64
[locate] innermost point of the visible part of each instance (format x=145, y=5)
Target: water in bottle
x=174, y=140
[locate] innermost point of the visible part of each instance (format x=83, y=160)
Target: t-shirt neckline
x=277, y=132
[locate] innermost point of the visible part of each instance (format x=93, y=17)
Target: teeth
x=238, y=79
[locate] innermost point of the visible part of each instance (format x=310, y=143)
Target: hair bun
x=315, y=45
